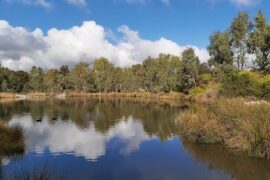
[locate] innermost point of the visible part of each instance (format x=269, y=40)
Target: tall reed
x=241, y=125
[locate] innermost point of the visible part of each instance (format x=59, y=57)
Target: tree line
x=245, y=44
x=161, y=74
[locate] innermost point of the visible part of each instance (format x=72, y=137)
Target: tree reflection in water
x=238, y=166
x=85, y=127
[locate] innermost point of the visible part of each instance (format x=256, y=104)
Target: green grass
x=241, y=125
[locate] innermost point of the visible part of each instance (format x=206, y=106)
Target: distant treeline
x=230, y=52
x=161, y=74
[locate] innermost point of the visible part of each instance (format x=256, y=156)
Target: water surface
x=116, y=139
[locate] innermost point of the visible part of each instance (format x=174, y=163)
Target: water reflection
x=218, y=157
x=84, y=127
x=83, y=138
x=67, y=137
x=157, y=119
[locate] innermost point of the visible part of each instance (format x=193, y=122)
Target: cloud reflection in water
x=67, y=137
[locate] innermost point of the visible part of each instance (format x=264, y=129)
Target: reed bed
x=11, y=141
x=243, y=126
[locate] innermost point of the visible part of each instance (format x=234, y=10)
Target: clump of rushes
x=11, y=141
x=241, y=125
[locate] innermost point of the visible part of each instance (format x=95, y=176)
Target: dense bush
x=245, y=84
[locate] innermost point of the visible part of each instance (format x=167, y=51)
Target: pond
x=115, y=139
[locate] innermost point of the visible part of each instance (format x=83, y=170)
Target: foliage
x=259, y=42
x=219, y=49
x=162, y=74
x=189, y=70
x=36, y=81
x=239, y=30
x=246, y=83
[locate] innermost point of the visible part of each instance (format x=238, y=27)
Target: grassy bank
x=198, y=94
x=171, y=95
x=7, y=95
x=243, y=126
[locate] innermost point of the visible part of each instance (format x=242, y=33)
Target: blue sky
x=185, y=22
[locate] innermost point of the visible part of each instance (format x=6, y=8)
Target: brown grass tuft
x=11, y=141
x=240, y=125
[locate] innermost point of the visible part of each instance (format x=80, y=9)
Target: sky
x=50, y=33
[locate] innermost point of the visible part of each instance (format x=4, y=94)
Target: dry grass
x=11, y=141
x=241, y=126
x=37, y=94
x=172, y=95
x=206, y=93
x=7, y=95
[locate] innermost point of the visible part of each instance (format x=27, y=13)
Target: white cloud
x=77, y=2
x=238, y=2
x=66, y=137
x=167, y=2
x=21, y=49
x=43, y=3
x=244, y=2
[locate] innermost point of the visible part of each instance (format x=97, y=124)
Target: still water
x=115, y=139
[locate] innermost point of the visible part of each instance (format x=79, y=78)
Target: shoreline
x=171, y=95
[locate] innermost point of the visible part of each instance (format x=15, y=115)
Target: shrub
x=245, y=84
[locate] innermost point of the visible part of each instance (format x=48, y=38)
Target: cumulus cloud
x=66, y=137
x=21, y=49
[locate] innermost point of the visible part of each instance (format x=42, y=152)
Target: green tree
x=189, y=70
x=4, y=86
x=129, y=80
x=118, y=79
x=36, y=79
x=103, y=75
x=52, y=80
x=259, y=42
x=150, y=70
x=219, y=49
x=139, y=76
x=64, y=78
x=239, y=30
x=168, y=72
x=81, y=77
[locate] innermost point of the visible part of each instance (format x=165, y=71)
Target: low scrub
x=205, y=93
x=247, y=83
x=241, y=125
